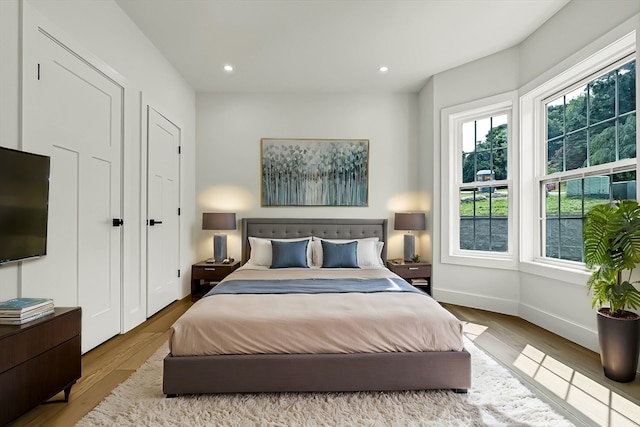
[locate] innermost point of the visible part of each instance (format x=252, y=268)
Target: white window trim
x=452, y=119
x=532, y=164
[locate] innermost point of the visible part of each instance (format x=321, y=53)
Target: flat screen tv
x=24, y=200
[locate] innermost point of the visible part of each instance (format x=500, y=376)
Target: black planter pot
x=619, y=340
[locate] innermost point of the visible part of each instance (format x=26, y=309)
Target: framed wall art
x=314, y=172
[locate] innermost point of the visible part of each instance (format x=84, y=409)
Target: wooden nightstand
x=416, y=273
x=205, y=275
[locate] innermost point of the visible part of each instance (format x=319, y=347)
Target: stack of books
x=22, y=310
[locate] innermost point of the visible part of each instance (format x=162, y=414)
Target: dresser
x=38, y=360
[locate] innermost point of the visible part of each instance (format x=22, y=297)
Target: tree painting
x=306, y=172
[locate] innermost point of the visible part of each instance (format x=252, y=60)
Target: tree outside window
x=590, y=126
x=484, y=204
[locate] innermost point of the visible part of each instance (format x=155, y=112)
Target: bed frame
x=316, y=372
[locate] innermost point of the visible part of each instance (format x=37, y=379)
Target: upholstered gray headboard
x=289, y=228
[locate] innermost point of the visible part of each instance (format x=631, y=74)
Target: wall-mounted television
x=24, y=201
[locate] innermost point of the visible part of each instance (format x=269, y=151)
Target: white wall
x=492, y=289
x=426, y=173
x=568, y=32
x=105, y=31
x=9, y=110
x=229, y=129
x=574, y=33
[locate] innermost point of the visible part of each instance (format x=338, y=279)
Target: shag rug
x=496, y=398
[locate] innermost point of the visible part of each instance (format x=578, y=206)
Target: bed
x=324, y=350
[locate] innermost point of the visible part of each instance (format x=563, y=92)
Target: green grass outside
x=499, y=206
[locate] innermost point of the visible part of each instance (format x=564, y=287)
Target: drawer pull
x=209, y=269
x=414, y=268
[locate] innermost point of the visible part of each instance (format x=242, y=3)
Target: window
x=484, y=199
x=590, y=138
x=477, y=206
x=577, y=148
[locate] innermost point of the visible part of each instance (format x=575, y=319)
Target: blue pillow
x=289, y=254
x=339, y=255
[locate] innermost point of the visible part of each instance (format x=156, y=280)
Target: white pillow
x=369, y=250
x=379, y=247
x=261, y=252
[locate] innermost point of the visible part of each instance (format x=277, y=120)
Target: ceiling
x=330, y=45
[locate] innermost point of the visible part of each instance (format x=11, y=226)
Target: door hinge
x=178, y=273
x=178, y=211
x=179, y=149
x=38, y=71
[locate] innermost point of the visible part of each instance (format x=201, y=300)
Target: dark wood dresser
x=38, y=360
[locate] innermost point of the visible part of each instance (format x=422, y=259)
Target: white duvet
x=314, y=323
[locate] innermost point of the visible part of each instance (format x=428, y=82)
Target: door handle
x=153, y=222
x=117, y=222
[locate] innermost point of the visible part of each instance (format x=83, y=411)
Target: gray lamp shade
x=219, y=221
x=409, y=221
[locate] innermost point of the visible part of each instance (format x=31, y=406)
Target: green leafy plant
x=415, y=258
x=611, y=236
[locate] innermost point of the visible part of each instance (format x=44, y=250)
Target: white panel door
x=163, y=236
x=73, y=112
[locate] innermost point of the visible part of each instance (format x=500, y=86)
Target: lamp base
x=219, y=247
x=409, y=246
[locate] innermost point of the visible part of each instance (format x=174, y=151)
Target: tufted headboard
x=289, y=228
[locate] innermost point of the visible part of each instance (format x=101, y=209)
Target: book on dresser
x=22, y=310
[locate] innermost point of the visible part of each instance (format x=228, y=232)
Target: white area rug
x=495, y=399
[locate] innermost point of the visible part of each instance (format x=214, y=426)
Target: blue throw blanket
x=312, y=286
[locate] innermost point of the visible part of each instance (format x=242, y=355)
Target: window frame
x=452, y=120
x=533, y=131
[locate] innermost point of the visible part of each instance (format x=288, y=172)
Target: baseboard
x=482, y=302
x=572, y=331
x=565, y=328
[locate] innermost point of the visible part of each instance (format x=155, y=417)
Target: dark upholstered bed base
x=317, y=372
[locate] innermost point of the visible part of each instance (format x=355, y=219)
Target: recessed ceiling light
x=383, y=69
x=228, y=68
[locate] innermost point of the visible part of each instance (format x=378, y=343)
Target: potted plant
x=611, y=235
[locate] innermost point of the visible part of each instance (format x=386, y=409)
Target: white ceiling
x=330, y=45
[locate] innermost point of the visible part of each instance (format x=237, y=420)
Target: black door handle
x=153, y=222
x=117, y=222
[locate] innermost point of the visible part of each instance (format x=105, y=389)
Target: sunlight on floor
x=601, y=405
x=472, y=330
x=594, y=400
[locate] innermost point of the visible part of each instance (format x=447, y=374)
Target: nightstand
x=416, y=273
x=205, y=275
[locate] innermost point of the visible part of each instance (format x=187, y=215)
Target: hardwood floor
x=564, y=374
x=106, y=366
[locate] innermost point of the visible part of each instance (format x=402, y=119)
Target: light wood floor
x=566, y=375
x=104, y=367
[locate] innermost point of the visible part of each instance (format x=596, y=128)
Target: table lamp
x=411, y=221
x=219, y=221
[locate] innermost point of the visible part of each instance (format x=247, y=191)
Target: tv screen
x=24, y=199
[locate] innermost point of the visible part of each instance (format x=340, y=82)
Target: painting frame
x=314, y=172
